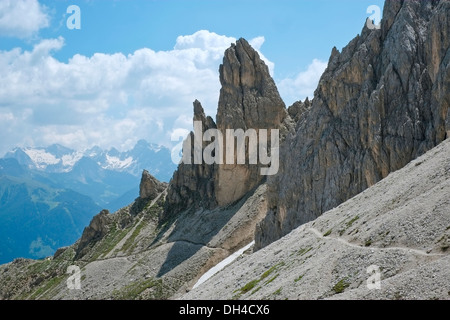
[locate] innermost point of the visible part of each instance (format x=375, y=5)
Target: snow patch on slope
x=115, y=163
x=41, y=158
x=69, y=160
x=208, y=274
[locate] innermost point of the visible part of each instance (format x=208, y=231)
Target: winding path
x=346, y=243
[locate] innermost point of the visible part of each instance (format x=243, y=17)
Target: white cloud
x=22, y=18
x=303, y=85
x=205, y=40
x=107, y=99
x=256, y=44
x=6, y=117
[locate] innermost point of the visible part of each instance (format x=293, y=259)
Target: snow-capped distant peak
x=41, y=158
x=114, y=163
x=69, y=160
x=59, y=159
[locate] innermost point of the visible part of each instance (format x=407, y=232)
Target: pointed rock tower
x=248, y=99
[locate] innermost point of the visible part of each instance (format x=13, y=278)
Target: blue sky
x=134, y=68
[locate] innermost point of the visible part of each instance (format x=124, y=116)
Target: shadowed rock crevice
x=195, y=230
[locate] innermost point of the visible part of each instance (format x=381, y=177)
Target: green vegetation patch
x=130, y=243
x=271, y=279
x=114, y=236
x=341, y=286
x=304, y=251
x=299, y=278
x=252, y=284
x=154, y=211
x=257, y=289
x=277, y=292
x=368, y=242
x=46, y=288
x=349, y=223
x=43, y=277
x=249, y=286
x=135, y=290
x=272, y=269
x=39, y=266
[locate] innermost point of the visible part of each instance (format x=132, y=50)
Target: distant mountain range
x=59, y=159
x=107, y=176
x=49, y=194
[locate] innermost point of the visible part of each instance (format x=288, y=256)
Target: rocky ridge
x=249, y=99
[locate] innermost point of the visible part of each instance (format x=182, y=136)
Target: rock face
x=150, y=187
x=298, y=109
x=192, y=185
x=380, y=103
x=93, y=233
x=248, y=99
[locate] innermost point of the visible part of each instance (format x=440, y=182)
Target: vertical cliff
x=381, y=102
x=249, y=99
x=192, y=185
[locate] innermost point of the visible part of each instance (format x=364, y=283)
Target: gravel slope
x=400, y=226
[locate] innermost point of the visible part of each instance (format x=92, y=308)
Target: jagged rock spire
x=248, y=99
x=150, y=187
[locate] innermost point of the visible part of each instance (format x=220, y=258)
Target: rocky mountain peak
x=199, y=115
x=248, y=99
x=150, y=187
